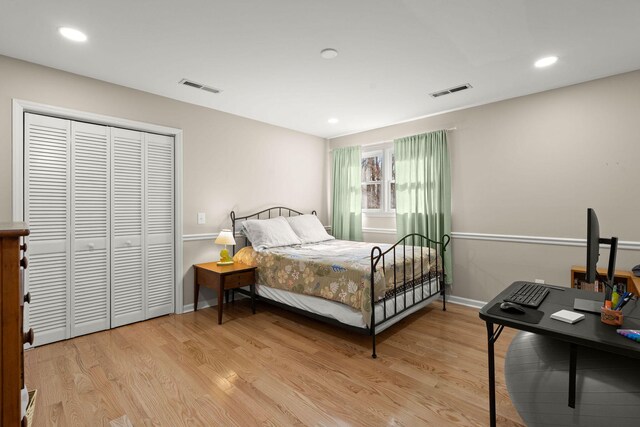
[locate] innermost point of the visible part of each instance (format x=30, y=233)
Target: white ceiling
x=265, y=55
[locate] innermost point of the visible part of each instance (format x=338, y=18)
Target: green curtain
x=346, y=218
x=423, y=188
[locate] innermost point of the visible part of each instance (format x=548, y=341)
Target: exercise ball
x=537, y=376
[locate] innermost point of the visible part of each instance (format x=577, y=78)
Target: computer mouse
x=511, y=307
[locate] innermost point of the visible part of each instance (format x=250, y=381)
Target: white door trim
x=19, y=107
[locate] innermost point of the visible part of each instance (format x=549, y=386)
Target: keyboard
x=529, y=295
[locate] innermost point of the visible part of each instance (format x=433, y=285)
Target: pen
x=624, y=301
x=630, y=333
x=619, y=305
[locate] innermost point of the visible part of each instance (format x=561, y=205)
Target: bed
x=363, y=287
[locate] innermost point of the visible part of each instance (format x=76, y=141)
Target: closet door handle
x=91, y=246
x=29, y=336
x=128, y=243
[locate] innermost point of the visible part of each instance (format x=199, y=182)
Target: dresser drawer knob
x=23, y=247
x=29, y=336
x=24, y=262
x=27, y=297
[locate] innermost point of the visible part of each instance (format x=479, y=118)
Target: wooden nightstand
x=221, y=278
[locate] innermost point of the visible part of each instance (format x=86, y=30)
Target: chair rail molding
x=509, y=238
x=196, y=237
x=204, y=236
x=539, y=240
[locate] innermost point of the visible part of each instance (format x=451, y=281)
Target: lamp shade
x=225, y=238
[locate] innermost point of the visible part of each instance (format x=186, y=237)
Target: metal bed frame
x=409, y=283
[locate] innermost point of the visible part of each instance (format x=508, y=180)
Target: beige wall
x=230, y=162
x=531, y=166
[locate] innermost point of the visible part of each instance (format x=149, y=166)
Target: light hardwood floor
x=275, y=369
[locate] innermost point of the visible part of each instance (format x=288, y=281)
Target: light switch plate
x=201, y=218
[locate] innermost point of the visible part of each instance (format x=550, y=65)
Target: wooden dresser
x=12, y=337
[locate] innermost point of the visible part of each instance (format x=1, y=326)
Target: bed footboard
x=418, y=274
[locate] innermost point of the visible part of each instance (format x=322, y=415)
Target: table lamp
x=225, y=238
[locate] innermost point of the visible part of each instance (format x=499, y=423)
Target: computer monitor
x=593, y=249
x=593, y=245
x=593, y=253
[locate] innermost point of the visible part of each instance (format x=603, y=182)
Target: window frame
x=385, y=209
x=387, y=174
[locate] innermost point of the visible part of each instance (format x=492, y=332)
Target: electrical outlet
x=201, y=218
x=541, y=281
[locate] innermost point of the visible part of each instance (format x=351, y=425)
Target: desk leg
x=196, y=290
x=492, y=337
x=573, y=359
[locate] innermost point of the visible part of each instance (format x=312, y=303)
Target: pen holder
x=611, y=317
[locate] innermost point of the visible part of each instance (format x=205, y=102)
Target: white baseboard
x=465, y=301
x=201, y=304
x=206, y=303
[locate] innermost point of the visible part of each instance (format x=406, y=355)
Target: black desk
x=590, y=332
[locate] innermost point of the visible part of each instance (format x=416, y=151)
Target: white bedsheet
x=345, y=314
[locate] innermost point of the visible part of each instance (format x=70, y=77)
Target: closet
x=99, y=201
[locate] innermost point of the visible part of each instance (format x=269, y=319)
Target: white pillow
x=269, y=233
x=309, y=228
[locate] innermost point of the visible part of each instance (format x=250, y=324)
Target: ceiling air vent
x=199, y=86
x=451, y=90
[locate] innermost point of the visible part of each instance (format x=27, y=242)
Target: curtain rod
x=391, y=140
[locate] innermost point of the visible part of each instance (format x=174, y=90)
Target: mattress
x=348, y=315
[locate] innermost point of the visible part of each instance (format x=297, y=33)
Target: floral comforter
x=338, y=270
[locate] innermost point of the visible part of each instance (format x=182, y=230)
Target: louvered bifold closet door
x=128, y=269
x=159, y=226
x=90, y=231
x=47, y=205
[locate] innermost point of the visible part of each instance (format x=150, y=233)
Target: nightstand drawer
x=239, y=279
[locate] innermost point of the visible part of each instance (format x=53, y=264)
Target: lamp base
x=225, y=262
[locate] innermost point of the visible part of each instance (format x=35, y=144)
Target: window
x=378, y=176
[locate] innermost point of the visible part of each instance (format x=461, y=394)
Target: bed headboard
x=264, y=214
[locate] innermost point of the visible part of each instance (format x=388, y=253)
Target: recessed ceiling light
x=328, y=53
x=333, y=120
x=73, y=34
x=545, y=62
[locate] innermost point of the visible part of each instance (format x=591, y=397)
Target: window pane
x=392, y=195
x=371, y=196
x=393, y=168
x=371, y=168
